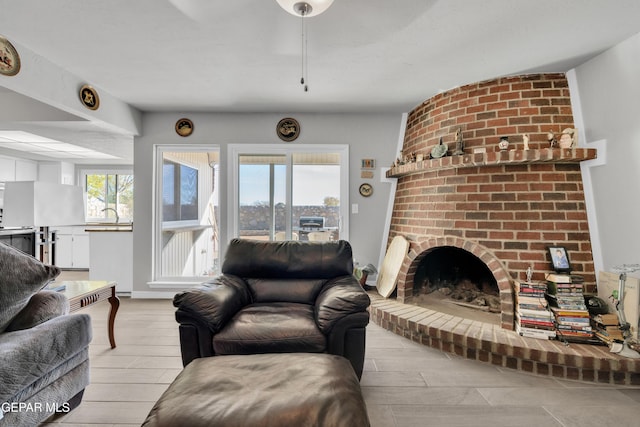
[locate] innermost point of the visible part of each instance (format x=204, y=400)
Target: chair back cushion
x=290, y=271
x=288, y=259
x=303, y=291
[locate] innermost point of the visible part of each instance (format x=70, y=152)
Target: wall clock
x=184, y=127
x=9, y=58
x=89, y=97
x=365, y=190
x=288, y=129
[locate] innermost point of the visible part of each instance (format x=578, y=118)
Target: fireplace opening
x=448, y=276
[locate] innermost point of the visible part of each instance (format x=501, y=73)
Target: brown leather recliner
x=277, y=297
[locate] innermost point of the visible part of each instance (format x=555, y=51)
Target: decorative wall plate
x=89, y=97
x=9, y=58
x=365, y=190
x=184, y=127
x=288, y=129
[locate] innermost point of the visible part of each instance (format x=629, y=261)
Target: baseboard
x=153, y=295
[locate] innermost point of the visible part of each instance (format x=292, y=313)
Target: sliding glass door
x=289, y=193
x=262, y=194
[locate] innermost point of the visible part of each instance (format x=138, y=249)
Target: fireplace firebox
x=457, y=275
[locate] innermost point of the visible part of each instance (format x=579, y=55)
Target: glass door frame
x=233, y=185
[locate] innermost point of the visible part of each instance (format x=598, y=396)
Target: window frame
x=82, y=176
x=233, y=185
x=158, y=280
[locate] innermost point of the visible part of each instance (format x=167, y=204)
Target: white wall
x=609, y=91
x=368, y=135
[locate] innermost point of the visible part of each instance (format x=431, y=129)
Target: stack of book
x=533, y=318
x=606, y=328
x=566, y=300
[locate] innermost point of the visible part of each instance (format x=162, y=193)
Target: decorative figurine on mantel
x=551, y=139
x=459, y=143
x=504, y=143
x=399, y=161
x=525, y=140
x=439, y=150
x=568, y=138
x=529, y=274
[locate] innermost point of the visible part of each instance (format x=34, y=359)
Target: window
x=109, y=195
x=186, y=242
x=289, y=193
x=179, y=192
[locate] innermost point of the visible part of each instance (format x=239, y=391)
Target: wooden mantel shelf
x=510, y=157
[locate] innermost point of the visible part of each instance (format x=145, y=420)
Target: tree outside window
x=107, y=194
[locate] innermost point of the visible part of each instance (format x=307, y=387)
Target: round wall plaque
x=184, y=127
x=365, y=190
x=89, y=97
x=288, y=129
x=9, y=58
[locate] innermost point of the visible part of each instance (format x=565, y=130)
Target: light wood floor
x=404, y=384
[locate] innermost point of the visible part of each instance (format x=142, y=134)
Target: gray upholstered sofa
x=44, y=361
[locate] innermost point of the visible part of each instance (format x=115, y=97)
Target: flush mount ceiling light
x=304, y=9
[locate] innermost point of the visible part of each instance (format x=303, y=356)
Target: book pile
x=566, y=299
x=533, y=318
x=606, y=328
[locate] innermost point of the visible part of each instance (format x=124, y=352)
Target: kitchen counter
x=109, y=227
x=10, y=231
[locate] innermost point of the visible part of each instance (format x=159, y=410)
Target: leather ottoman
x=263, y=390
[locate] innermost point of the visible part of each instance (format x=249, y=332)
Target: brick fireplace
x=502, y=207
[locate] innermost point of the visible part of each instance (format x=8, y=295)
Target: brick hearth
x=490, y=343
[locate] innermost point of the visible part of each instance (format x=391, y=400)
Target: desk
x=83, y=293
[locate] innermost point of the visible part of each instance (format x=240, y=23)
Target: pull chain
x=303, y=55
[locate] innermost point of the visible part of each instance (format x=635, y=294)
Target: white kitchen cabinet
x=18, y=170
x=26, y=170
x=112, y=257
x=72, y=247
x=7, y=169
x=56, y=172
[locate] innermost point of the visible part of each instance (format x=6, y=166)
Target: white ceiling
x=244, y=55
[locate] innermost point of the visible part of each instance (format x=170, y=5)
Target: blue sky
x=311, y=183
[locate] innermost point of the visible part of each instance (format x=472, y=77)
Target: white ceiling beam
x=51, y=84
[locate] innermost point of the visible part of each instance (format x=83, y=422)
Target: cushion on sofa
x=21, y=276
x=42, y=306
x=271, y=328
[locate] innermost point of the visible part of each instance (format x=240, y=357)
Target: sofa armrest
x=35, y=355
x=339, y=298
x=42, y=306
x=214, y=302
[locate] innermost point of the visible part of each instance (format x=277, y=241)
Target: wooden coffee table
x=83, y=293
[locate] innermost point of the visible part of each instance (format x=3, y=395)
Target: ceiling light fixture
x=309, y=7
x=304, y=9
